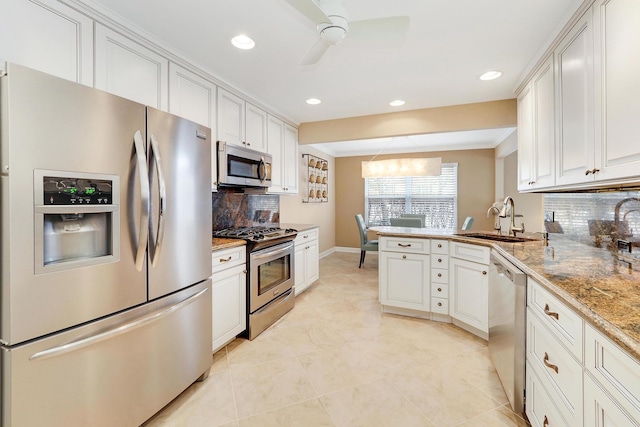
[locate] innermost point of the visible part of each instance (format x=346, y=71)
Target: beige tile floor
x=336, y=360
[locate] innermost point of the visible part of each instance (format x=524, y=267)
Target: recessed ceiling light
x=243, y=42
x=396, y=103
x=313, y=101
x=490, y=75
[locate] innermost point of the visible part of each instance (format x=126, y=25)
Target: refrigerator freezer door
x=179, y=153
x=56, y=125
x=118, y=371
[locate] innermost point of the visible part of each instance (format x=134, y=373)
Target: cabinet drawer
x=439, y=275
x=555, y=363
x=403, y=244
x=566, y=324
x=439, y=246
x=614, y=368
x=540, y=408
x=439, y=290
x=439, y=261
x=227, y=258
x=439, y=305
x=306, y=236
x=469, y=252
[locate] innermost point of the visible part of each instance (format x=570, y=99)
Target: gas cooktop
x=256, y=234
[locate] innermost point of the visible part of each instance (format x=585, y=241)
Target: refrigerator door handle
x=119, y=330
x=155, y=152
x=138, y=143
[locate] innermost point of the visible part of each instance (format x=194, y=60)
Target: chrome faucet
x=508, y=202
x=617, y=231
x=493, y=210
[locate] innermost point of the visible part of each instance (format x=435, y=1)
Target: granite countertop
x=299, y=227
x=218, y=243
x=602, y=286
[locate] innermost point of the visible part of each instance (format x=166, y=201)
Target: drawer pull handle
x=225, y=260
x=439, y=274
x=545, y=423
x=404, y=257
x=305, y=236
x=549, y=365
x=408, y=245
x=550, y=313
x=439, y=245
x=439, y=289
x=439, y=259
x=439, y=304
x=484, y=273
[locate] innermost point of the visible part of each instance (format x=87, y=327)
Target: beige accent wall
x=293, y=210
x=482, y=115
x=531, y=205
x=476, y=190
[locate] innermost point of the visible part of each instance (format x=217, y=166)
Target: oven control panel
x=77, y=191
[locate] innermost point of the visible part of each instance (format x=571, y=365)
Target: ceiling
x=448, y=45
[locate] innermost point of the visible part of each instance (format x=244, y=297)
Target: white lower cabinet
x=469, y=287
x=541, y=410
x=229, y=295
x=307, y=260
x=404, y=274
x=600, y=410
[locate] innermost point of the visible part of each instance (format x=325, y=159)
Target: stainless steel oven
x=271, y=279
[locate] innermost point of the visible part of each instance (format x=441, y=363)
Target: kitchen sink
x=498, y=237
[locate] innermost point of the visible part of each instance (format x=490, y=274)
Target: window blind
x=432, y=196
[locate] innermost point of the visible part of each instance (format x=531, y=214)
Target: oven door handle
x=271, y=254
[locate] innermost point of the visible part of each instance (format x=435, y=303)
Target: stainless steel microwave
x=240, y=166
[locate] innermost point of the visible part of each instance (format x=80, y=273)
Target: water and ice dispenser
x=76, y=220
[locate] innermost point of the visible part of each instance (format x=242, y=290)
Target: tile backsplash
x=595, y=218
x=230, y=208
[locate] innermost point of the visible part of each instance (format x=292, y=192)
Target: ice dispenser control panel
x=77, y=191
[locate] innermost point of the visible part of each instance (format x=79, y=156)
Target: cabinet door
x=404, y=280
x=256, y=128
x=290, y=160
x=312, y=262
x=229, y=308
x=275, y=147
x=574, y=104
x=194, y=98
x=57, y=40
x=544, y=127
x=600, y=410
x=525, y=139
x=230, y=121
x=130, y=70
x=468, y=293
x=617, y=38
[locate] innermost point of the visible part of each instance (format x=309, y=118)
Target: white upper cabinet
x=130, y=70
x=194, y=98
x=275, y=147
x=231, y=110
x=255, y=128
x=575, y=148
x=617, y=74
x=525, y=139
x=48, y=36
x=290, y=159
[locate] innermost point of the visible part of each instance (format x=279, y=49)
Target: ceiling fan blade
x=393, y=27
x=315, y=53
x=310, y=9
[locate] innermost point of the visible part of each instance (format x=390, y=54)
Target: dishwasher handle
x=508, y=270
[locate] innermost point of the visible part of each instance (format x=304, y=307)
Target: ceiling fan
x=333, y=26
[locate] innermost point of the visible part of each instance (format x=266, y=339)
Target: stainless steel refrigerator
x=105, y=224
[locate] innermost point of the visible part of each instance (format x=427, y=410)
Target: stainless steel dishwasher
x=507, y=307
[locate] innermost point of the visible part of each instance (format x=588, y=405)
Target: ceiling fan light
x=242, y=41
x=313, y=101
x=333, y=34
x=396, y=103
x=491, y=75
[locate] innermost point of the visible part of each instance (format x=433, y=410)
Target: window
x=436, y=197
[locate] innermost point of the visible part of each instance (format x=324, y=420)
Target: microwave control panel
x=77, y=191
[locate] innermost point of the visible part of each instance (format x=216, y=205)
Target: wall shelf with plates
x=317, y=180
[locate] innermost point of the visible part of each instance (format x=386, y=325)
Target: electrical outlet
x=549, y=216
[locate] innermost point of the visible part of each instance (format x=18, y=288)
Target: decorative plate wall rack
x=317, y=183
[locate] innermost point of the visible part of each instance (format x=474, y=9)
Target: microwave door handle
x=262, y=169
x=138, y=144
x=155, y=150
